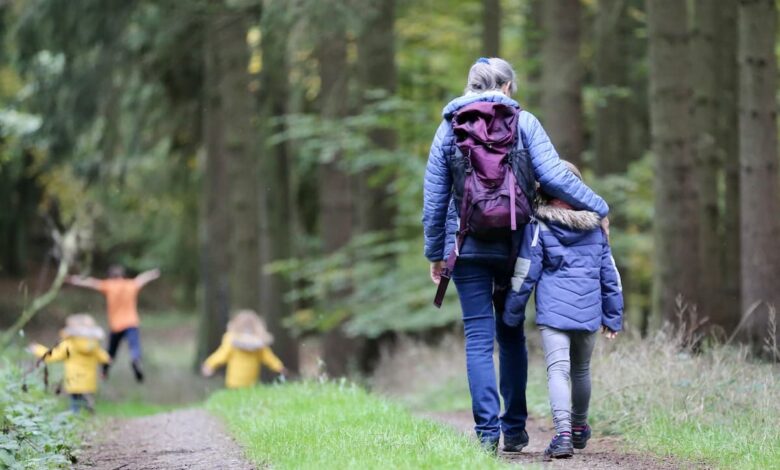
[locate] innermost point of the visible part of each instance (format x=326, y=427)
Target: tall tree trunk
x=759, y=186
x=240, y=147
x=728, y=143
x=533, y=34
x=676, y=233
x=612, y=132
x=335, y=184
x=491, y=28
x=215, y=227
x=562, y=74
x=276, y=178
x=376, y=59
x=706, y=109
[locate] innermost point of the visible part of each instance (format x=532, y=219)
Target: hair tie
x=483, y=60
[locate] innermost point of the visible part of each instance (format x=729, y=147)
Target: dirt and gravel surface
x=183, y=439
x=602, y=453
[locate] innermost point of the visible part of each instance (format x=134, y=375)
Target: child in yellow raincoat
x=81, y=352
x=244, y=349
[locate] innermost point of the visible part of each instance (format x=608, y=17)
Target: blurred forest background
x=268, y=154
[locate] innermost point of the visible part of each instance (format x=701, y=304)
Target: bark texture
x=728, y=143
x=215, y=229
x=491, y=28
x=676, y=208
x=612, y=131
x=276, y=179
x=759, y=187
x=706, y=109
x=562, y=74
x=336, y=185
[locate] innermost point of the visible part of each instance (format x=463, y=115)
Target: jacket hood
x=461, y=101
x=247, y=342
x=568, y=225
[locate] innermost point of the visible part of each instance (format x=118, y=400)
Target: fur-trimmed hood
x=569, y=226
x=574, y=219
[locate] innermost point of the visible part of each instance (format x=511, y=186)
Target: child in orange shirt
x=122, y=305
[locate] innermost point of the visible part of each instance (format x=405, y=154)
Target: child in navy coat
x=566, y=256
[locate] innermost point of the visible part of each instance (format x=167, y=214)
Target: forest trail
x=602, y=453
x=182, y=439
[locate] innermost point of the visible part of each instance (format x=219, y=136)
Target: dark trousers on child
x=134, y=343
x=476, y=282
x=81, y=401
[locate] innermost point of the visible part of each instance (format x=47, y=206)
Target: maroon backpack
x=492, y=179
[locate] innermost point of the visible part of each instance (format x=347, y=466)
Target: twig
x=744, y=320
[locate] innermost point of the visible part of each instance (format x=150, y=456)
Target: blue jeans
x=133, y=341
x=475, y=282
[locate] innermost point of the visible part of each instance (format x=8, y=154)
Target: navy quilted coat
x=440, y=219
x=566, y=256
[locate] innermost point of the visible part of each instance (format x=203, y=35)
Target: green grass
x=719, y=406
x=312, y=425
x=130, y=409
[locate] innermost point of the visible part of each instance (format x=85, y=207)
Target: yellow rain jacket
x=82, y=356
x=243, y=365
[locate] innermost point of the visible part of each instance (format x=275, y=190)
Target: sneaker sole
x=560, y=454
x=581, y=446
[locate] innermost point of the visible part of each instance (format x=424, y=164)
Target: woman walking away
x=488, y=150
x=81, y=352
x=245, y=348
x=567, y=256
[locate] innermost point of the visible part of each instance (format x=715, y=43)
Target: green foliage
x=34, y=431
x=328, y=425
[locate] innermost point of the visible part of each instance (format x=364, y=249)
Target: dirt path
x=602, y=453
x=184, y=439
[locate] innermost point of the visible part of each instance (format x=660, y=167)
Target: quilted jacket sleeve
x=528, y=269
x=553, y=176
x=611, y=292
x=437, y=190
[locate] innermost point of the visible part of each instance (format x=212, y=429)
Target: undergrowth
x=35, y=431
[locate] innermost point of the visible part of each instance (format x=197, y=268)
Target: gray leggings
x=567, y=354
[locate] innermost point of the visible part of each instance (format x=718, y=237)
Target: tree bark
x=562, y=74
x=728, y=143
x=215, y=227
x=335, y=184
x=706, y=109
x=676, y=215
x=759, y=186
x=491, y=28
x=533, y=34
x=240, y=148
x=277, y=226
x=612, y=132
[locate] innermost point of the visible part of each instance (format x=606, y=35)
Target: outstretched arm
x=147, y=276
x=86, y=282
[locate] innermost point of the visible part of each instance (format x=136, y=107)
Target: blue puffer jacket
x=439, y=212
x=567, y=256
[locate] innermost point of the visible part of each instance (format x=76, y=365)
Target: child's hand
x=31, y=348
x=609, y=334
x=206, y=370
x=605, y=226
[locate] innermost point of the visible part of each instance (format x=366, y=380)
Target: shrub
x=35, y=433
